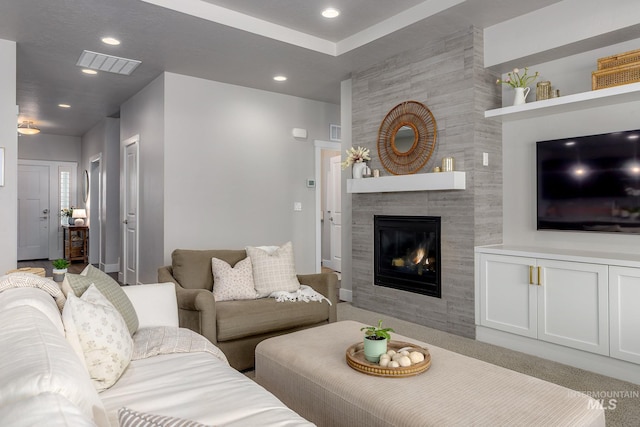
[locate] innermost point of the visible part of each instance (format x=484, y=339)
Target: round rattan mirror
x=406, y=138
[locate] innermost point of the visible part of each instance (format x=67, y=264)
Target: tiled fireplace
x=447, y=75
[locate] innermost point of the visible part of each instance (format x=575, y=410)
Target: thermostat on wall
x=311, y=183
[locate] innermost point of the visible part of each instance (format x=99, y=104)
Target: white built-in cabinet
x=579, y=301
x=556, y=301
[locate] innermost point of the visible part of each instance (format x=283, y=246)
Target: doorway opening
x=328, y=206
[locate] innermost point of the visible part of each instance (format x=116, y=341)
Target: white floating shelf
x=564, y=104
x=416, y=182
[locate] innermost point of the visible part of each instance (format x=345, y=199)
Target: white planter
x=58, y=274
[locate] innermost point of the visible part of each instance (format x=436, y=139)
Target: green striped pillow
x=109, y=288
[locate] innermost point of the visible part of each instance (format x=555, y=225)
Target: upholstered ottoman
x=307, y=370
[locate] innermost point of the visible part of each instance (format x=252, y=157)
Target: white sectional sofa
x=43, y=381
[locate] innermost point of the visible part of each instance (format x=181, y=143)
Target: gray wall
x=104, y=140
x=50, y=147
x=233, y=169
x=143, y=115
x=448, y=77
x=8, y=140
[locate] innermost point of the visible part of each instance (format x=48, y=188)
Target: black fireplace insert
x=407, y=253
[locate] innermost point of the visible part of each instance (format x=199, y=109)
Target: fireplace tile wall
x=448, y=76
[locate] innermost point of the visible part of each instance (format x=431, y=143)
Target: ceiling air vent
x=102, y=62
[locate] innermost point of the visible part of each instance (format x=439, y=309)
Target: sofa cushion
x=232, y=283
x=104, y=339
x=239, y=319
x=79, y=283
x=44, y=409
x=36, y=359
x=33, y=297
x=155, y=304
x=192, y=268
x=273, y=270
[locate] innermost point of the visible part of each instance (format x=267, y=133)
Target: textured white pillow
x=232, y=283
x=155, y=304
x=275, y=271
x=103, y=336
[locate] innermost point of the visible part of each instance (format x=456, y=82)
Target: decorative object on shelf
x=375, y=341
x=543, y=90
x=367, y=172
x=520, y=83
x=28, y=128
x=407, y=138
x=555, y=93
x=448, y=164
x=358, y=170
x=59, y=269
x=376, y=173
x=437, y=169
x=67, y=214
x=358, y=158
x=356, y=360
x=78, y=216
x=616, y=70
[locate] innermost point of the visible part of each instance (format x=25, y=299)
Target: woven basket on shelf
x=616, y=76
x=626, y=58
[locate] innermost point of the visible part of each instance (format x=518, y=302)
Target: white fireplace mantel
x=416, y=182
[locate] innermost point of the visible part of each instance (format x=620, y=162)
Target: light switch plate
x=297, y=206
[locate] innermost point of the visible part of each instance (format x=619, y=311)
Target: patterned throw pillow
x=130, y=418
x=109, y=288
x=275, y=271
x=102, y=333
x=232, y=283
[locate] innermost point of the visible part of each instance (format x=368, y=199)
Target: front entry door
x=131, y=213
x=33, y=212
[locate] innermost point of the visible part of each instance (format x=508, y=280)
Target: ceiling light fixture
x=88, y=71
x=330, y=13
x=64, y=105
x=110, y=41
x=280, y=78
x=28, y=128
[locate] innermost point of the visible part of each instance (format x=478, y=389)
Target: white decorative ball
x=416, y=357
x=394, y=364
x=404, y=361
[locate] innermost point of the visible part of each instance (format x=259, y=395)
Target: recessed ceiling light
x=88, y=71
x=280, y=78
x=110, y=41
x=330, y=13
x=64, y=105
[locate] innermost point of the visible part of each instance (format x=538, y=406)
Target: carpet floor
x=621, y=399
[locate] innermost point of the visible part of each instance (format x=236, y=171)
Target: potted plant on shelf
x=59, y=269
x=376, y=339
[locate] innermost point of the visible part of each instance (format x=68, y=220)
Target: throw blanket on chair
x=153, y=341
x=29, y=280
x=305, y=293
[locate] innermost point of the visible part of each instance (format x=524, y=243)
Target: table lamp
x=79, y=215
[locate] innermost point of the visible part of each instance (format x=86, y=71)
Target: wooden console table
x=76, y=243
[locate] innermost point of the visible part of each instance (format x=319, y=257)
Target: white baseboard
x=604, y=365
x=110, y=268
x=346, y=295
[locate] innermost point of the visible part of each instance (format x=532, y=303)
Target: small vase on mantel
x=358, y=169
x=521, y=95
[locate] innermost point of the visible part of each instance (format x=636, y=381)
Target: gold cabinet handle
x=539, y=276
x=531, y=274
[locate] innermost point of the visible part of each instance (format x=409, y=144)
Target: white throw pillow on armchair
x=232, y=283
x=274, y=271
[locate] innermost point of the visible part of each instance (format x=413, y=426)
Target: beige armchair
x=236, y=327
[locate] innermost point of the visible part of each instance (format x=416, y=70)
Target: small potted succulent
x=59, y=269
x=376, y=339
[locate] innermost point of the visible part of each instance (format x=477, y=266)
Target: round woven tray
x=355, y=359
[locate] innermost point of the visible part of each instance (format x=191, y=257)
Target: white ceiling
x=243, y=42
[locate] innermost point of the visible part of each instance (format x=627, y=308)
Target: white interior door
x=334, y=208
x=33, y=212
x=131, y=214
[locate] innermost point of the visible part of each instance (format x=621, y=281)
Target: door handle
x=539, y=276
x=45, y=211
x=125, y=222
x=531, y=274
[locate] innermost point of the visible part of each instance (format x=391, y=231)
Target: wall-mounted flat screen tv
x=589, y=183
